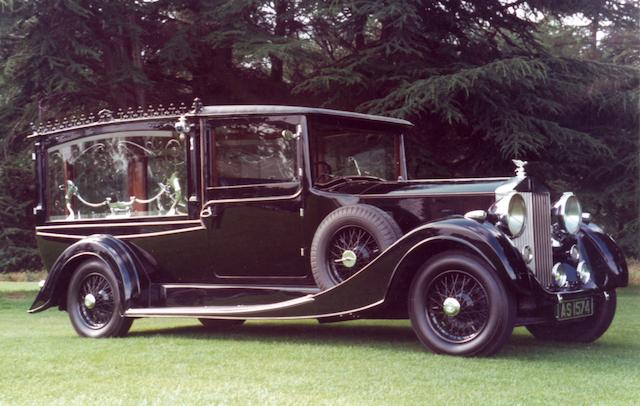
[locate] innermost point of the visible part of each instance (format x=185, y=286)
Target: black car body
x=232, y=213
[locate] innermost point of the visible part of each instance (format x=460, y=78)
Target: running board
x=217, y=311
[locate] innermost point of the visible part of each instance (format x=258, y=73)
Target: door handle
x=206, y=217
x=206, y=213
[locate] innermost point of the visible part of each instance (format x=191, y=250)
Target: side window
x=253, y=151
x=124, y=174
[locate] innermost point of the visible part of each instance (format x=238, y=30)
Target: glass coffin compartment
x=120, y=174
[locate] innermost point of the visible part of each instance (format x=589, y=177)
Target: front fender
x=481, y=239
x=606, y=256
x=116, y=254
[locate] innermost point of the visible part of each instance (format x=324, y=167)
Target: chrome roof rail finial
x=520, y=171
x=197, y=105
x=105, y=115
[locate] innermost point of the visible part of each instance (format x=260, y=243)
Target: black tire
x=585, y=330
x=485, y=308
x=373, y=231
x=103, y=318
x=220, y=323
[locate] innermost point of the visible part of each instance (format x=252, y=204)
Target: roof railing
x=108, y=116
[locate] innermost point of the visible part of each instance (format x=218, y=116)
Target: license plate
x=574, y=309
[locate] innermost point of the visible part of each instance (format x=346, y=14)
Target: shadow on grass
x=399, y=338
x=321, y=334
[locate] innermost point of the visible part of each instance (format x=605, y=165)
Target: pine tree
x=484, y=81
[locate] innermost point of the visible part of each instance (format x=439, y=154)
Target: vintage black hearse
x=234, y=213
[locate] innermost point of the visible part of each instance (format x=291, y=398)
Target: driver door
x=253, y=199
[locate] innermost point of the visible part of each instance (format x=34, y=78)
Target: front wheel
x=585, y=330
x=94, y=302
x=458, y=306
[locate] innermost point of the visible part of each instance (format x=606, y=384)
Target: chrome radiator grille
x=537, y=235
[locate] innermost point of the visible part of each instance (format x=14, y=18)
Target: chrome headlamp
x=559, y=275
x=511, y=212
x=584, y=272
x=568, y=212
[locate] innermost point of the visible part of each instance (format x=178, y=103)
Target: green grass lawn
x=42, y=361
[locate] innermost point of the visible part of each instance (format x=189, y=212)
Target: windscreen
x=342, y=147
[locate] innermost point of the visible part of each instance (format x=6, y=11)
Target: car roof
x=131, y=115
x=276, y=109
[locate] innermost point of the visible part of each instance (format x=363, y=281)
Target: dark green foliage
x=481, y=82
x=491, y=78
x=17, y=242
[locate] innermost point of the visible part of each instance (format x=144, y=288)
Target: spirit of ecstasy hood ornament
x=520, y=172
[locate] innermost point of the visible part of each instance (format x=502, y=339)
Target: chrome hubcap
x=451, y=307
x=350, y=249
x=349, y=258
x=89, y=301
x=457, y=306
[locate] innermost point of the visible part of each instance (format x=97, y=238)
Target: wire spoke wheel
x=457, y=306
x=347, y=240
x=96, y=301
x=350, y=249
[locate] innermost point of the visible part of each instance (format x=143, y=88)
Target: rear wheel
x=94, y=302
x=220, y=323
x=585, y=330
x=458, y=306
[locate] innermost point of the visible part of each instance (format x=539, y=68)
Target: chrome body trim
x=67, y=236
x=189, y=312
x=250, y=185
x=457, y=179
x=125, y=236
x=404, y=172
x=106, y=219
x=424, y=194
x=130, y=224
x=223, y=310
x=254, y=199
x=249, y=287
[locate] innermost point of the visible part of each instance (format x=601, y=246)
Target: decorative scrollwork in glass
x=140, y=173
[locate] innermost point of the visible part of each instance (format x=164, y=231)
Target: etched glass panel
x=125, y=174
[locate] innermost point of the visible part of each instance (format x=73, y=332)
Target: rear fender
x=121, y=258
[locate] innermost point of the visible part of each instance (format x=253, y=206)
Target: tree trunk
x=595, y=26
x=360, y=23
x=136, y=60
x=280, y=30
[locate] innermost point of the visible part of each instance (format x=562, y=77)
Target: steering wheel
x=324, y=172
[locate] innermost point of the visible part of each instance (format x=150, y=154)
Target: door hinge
x=301, y=212
x=302, y=252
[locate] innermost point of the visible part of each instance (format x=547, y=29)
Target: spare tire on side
x=348, y=239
